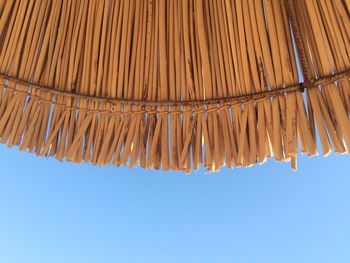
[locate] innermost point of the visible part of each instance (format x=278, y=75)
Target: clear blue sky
x=63, y=212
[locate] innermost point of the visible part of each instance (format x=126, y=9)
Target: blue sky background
x=64, y=212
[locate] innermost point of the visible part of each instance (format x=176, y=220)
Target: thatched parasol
x=175, y=84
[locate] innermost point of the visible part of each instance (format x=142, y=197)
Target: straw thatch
x=175, y=84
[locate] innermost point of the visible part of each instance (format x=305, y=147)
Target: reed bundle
x=175, y=84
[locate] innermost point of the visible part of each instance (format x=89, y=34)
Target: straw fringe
x=174, y=84
x=106, y=135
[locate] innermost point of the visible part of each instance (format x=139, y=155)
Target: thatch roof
x=175, y=84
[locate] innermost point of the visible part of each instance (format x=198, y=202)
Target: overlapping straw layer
x=170, y=84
